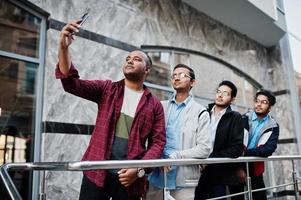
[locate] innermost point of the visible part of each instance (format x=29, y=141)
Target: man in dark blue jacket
x=261, y=140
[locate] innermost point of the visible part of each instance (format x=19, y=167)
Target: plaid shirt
x=148, y=125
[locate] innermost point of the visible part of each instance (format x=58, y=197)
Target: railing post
x=42, y=195
x=295, y=180
x=9, y=184
x=249, y=185
x=165, y=185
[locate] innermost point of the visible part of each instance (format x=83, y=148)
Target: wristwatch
x=140, y=172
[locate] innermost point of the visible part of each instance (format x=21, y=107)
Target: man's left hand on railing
x=127, y=176
x=241, y=174
x=166, y=169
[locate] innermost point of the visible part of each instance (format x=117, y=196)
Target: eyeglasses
x=261, y=101
x=180, y=75
x=223, y=93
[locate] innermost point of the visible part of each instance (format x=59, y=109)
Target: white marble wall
x=61, y=148
x=149, y=22
x=94, y=61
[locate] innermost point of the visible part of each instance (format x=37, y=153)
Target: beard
x=134, y=77
x=261, y=114
x=222, y=104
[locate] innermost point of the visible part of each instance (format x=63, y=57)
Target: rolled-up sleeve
x=88, y=89
x=72, y=72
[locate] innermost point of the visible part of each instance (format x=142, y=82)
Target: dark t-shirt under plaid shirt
x=131, y=99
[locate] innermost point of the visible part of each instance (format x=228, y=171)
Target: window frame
x=40, y=62
x=173, y=50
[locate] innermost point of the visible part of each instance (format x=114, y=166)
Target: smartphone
x=83, y=18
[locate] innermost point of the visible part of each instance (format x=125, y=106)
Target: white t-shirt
x=130, y=101
x=215, y=118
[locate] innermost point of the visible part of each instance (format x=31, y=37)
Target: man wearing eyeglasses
x=187, y=136
x=227, y=140
x=261, y=140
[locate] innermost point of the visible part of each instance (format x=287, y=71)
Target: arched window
x=209, y=71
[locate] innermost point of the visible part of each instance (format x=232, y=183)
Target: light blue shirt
x=173, y=143
x=257, y=125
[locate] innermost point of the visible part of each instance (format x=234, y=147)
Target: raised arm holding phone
x=129, y=116
x=66, y=38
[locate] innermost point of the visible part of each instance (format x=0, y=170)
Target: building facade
x=244, y=41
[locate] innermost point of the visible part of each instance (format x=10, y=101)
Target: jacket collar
x=211, y=105
x=186, y=101
x=255, y=117
x=167, y=105
x=271, y=123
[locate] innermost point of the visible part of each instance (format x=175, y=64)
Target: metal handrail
x=111, y=164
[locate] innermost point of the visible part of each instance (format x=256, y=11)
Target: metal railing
x=93, y=165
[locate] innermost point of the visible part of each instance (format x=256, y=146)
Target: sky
x=293, y=16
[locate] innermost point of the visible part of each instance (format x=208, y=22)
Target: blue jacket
x=267, y=143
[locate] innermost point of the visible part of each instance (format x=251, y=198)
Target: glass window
x=17, y=108
x=163, y=63
x=160, y=72
x=250, y=92
x=13, y=149
x=209, y=73
x=30, y=78
x=21, y=34
x=180, y=58
x=17, y=119
x=239, y=82
x=19, y=30
x=161, y=94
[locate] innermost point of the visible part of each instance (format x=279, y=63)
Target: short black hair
x=191, y=72
x=270, y=95
x=230, y=85
x=149, y=61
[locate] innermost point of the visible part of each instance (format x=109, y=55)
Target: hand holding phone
x=67, y=34
x=82, y=20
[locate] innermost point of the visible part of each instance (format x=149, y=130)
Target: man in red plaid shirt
x=128, y=118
